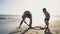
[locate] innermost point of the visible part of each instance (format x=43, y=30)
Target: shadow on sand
x=47, y=31
x=34, y=28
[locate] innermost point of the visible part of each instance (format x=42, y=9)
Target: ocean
x=10, y=23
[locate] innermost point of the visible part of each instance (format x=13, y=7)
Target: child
x=28, y=15
x=47, y=17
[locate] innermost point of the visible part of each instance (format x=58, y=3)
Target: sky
x=17, y=7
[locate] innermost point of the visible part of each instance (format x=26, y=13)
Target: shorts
x=26, y=14
x=47, y=19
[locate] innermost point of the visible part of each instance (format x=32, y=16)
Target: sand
x=54, y=28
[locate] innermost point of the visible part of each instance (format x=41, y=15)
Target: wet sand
x=54, y=28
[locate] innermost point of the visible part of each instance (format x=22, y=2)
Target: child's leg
x=45, y=22
x=21, y=22
x=30, y=24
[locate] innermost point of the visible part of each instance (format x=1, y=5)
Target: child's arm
x=26, y=23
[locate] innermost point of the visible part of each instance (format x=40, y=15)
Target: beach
x=54, y=28
x=10, y=25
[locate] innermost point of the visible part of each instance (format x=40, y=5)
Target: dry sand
x=54, y=28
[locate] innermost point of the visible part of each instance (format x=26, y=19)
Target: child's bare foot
x=31, y=27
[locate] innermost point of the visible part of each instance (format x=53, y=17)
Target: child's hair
x=44, y=9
